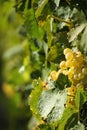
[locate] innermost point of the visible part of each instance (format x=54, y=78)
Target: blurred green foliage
x=14, y=76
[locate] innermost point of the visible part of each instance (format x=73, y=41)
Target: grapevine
x=43, y=64
x=75, y=67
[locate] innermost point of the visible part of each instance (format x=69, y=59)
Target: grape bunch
x=75, y=67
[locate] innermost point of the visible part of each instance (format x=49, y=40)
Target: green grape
x=71, y=90
x=71, y=95
x=78, y=54
x=63, y=65
x=79, y=59
x=84, y=70
x=71, y=72
x=69, y=56
x=75, y=63
x=54, y=75
x=78, y=70
x=65, y=72
x=70, y=101
x=60, y=71
x=67, y=50
x=76, y=77
x=80, y=76
x=80, y=85
x=69, y=63
x=84, y=80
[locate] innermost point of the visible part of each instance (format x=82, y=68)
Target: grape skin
x=63, y=65
x=67, y=50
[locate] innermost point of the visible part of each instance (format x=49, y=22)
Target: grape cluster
x=75, y=67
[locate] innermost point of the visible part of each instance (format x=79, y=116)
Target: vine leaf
x=63, y=82
x=30, y=23
x=57, y=2
x=41, y=6
x=69, y=118
x=44, y=127
x=34, y=97
x=49, y=28
x=80, y=97
x=76, y=31
x=83, y=43
x=51, y=104
x=63, y=14
x=34, y=31
x=79, y=126
x=55, y=53
x=76, y=18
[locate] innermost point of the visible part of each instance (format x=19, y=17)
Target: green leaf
x=79, y=126
x=34, y=31
x=55, y=53
x=63, y=14
x=49, y=28
x=34, y=98
x=30, y=23
x=51, y=84
x=62, y=39
x=80, y=97
x=13, y=51
x=51, y=104
x=62, y=82
x=57, y=2
x=83, y=114
x=83, y=42
x=41, y=6
x=69, y=119
x=45, y=47
x=74, y=32
x=44, y=127
x=77, y=16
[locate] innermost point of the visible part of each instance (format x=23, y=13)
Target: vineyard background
x=33, y=36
